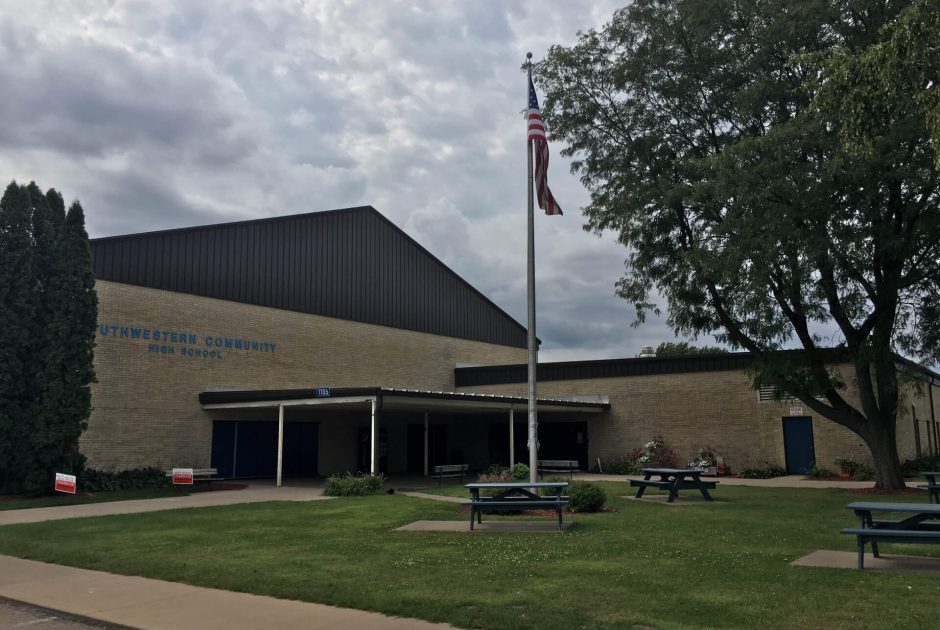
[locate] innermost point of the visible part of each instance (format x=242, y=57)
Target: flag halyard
x=537, y=135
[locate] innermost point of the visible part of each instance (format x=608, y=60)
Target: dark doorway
x=415, y=449
x=798, y=445
x=437, y=446
x=365, y=456
x=564, y=440
x=499, y=443
x=301, y=448
x=249, y=448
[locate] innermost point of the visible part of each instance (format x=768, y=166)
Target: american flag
x=537, y=133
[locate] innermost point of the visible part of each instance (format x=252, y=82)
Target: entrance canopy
x=393, y=399
x=375, y=400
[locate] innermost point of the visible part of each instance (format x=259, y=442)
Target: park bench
x=875, y=535
x=561, y=466
x=202, y=474
x=920, y=527
x=450, y=470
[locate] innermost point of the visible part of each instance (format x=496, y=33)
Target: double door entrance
x=248, y=448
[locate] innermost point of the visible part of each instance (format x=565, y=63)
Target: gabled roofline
x=288, y=217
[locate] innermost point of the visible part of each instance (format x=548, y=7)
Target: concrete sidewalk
x=254, y=493
x=158, y=605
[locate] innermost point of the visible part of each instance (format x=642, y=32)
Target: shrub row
x=92, y=480
x=350, y=485
x=767, y=471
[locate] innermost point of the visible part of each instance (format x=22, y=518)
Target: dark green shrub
x=819, y=473
x=862, y=472
x=585, y=497
x=913, y=467
x=350, y=485
x=767, y=471
x=619, y=466
x=94, y=480
x=519, y=472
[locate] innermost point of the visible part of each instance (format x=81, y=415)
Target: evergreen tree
x=17, y=308
x=48, y=309
x=65, y=367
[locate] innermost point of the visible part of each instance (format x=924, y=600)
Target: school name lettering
x=184, y=343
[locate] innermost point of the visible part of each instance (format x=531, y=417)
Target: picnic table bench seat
x=513, y=496
x=202, y=474
x=561, y=466
x=450, y=470
x=920, y=527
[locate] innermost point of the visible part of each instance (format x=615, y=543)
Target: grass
x=721, y=565
x=97, y=497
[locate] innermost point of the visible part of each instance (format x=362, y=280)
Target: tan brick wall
x=692, y=410
x=145, y=404
x=914, y=405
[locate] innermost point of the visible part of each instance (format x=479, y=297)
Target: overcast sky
x=167, y=114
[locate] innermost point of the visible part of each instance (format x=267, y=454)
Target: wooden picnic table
x=921, y=526
x=933, y=488
x=515, y=495
x=674, y=480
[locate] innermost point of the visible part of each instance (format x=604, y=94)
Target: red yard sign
x=182, y=476
x=65, y=483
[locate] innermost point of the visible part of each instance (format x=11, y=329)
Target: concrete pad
x=517, y=527
x=663, y=499
x=886, y=563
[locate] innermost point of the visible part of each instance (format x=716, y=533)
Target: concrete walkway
x=158, y=605
x=255, y=493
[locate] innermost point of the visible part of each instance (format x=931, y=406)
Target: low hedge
x=93, y=480
x=350, y=485
x=585, y=497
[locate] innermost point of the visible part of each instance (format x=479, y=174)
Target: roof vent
x=647, y=352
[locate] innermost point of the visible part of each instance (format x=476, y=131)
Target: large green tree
x=708, y=134
x=49, y=316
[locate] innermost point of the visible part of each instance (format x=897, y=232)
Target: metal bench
x=478, y=507
x=568, y=466
x=450, y=470
x=874, y=535
x=202, y=474
x=920, y=525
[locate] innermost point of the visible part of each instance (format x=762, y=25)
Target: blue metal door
x=798, y=445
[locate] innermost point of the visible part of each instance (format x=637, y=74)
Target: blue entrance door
x=798, y=444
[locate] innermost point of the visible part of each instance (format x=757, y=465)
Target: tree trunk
x=884, y=451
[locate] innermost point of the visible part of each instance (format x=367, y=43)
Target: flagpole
x=530, y=299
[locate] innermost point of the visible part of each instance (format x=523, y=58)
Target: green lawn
x=98, y=497
x=646, y=565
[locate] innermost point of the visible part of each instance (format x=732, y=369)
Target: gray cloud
x=160, y=115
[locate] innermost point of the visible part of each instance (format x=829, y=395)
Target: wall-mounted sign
x=796, y=411
x=65, y=483
x=323, y=392
x=185, y=344
x=182, y=476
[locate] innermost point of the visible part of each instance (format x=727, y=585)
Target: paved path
x=255, y=493
x=158, y=605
